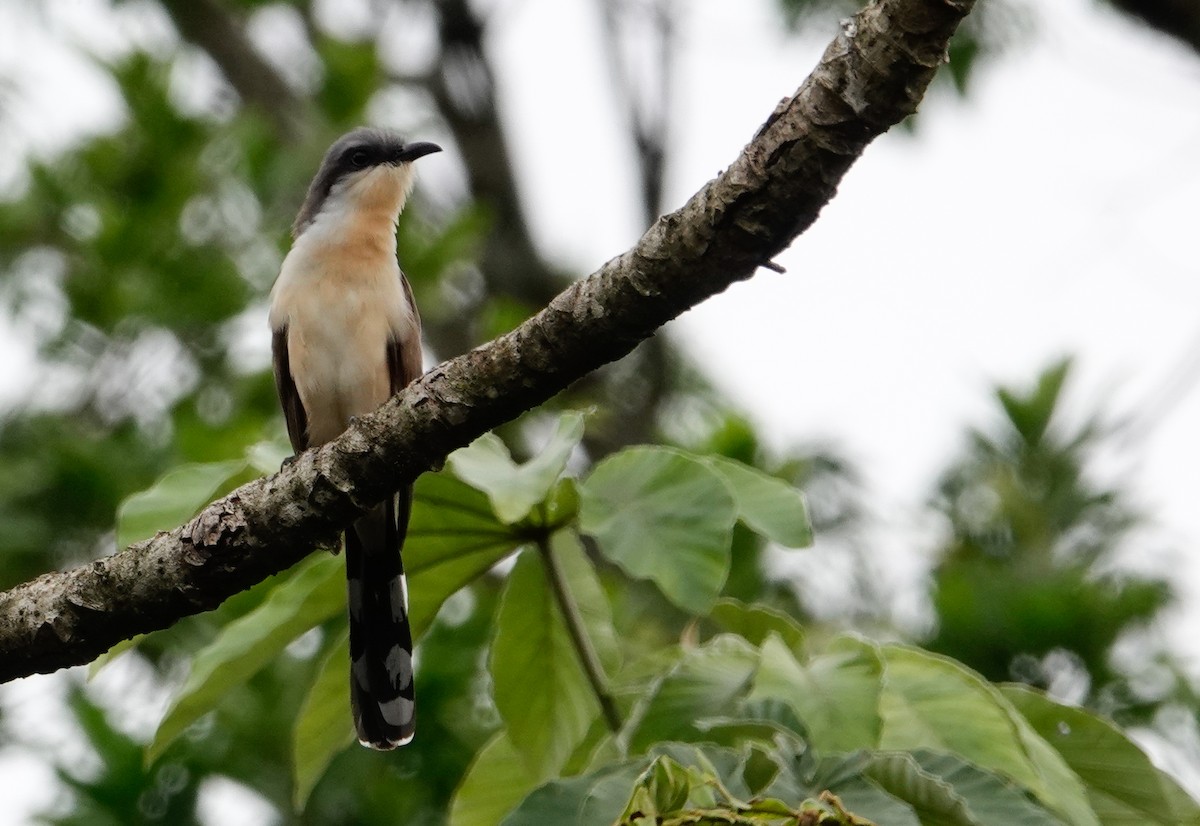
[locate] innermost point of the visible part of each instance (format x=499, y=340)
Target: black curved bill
x=419, y=149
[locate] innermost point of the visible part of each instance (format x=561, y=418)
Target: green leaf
x=1031, y=414
x=836, y=694
x=663, y=516
x=706, y=763
x=669, y=784
x=801, y=776
x=706, y=683
x=314, y=592
x=666, y=787
x=495, y=783
x=766, y=505
x=514, y=490
x=708, y=784
x=173, y=499
x=323, y=728
x=560, y=508
x=932, y=702
x=865, y=798
x=932, y=798
x=944, y=789
x=689, y=783
x=453, y=538
x=990, y=797
x=755, y=622
x=596, y=799
x=97, y=665
x=1122, y=785
x=601, y=751
x=539, y=687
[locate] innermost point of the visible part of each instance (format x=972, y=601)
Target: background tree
x=1028, y=586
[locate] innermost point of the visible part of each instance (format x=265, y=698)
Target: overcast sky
x=1054, y=211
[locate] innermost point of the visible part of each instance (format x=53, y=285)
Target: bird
x=345, y=337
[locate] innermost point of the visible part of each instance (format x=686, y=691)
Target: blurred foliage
x=1027, y=587
x=137, y=261
x=140, y=247
x=123, y=790
x=719, y=711
x=133, y=260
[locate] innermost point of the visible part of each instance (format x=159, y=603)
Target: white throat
x=362, y=205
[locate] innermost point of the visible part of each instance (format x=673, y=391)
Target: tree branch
x=872, y=75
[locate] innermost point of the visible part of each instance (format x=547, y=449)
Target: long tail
x=381, y=668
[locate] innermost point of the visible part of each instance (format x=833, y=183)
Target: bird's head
x=366, y=170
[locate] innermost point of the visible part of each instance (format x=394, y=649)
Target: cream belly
x=341, y=297
x=340, y=321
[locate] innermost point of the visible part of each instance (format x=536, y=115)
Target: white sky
x=1054, y=211
x=1051, y=212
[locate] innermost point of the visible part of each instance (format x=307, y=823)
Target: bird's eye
x=359, y=158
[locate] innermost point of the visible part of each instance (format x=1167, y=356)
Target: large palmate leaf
x=924, y=741
x=755, y=623
x=676, y=783
x=494, y=784
x=706, y=683
x=174, y=499
x=539, y=683
x=314, y=592
x=323, y=727
x=766, y=505
x=453, y=538
x=664, y=516
x=932, y=702
x=1123, y=786
x=943, y=789
x=514, y=490
x=835, y=694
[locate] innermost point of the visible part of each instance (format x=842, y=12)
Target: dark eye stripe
x=356, y=157
x=355, y=151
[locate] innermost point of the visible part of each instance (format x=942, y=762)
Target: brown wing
x=404, y=366
x=404, y=355
x=289, y=399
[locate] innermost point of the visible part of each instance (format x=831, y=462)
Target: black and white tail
x=381, y=666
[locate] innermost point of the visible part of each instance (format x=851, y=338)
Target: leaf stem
x=583, y=645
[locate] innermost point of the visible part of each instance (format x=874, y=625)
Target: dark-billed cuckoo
x=345, y=337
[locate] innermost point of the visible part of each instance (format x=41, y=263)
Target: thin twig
x=579, y=637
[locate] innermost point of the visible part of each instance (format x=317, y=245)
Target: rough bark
x=872, y=75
